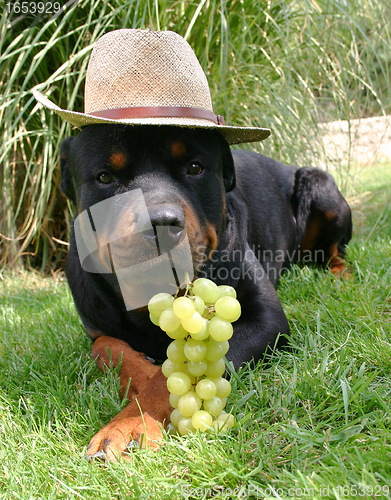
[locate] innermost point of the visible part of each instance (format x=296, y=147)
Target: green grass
x=307, y=422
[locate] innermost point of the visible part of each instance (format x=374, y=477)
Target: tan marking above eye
x=178, y=149
x=117, y=160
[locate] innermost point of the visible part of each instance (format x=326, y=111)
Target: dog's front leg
x=147, y=391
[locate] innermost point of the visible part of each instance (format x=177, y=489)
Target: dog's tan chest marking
x=330, y=216
x=211, y=239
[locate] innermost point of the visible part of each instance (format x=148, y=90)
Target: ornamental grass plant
x=288, y=65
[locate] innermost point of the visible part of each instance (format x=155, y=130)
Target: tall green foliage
x=284, y=64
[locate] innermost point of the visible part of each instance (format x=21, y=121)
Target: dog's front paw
x=121, y=436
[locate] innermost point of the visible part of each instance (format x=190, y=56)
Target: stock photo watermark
x=161, y=258
x=270, y=492
x=35, y=12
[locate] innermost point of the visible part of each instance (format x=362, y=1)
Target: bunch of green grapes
x=200, y=324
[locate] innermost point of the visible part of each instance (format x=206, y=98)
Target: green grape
x=199, y=305
x=154, y=319
x=215, y=368
x=223, y=422
x=171, y=429
x=175, y=417
x=175, y=351
x=189, y=403
x=174, y=400
x=228, y=308
x=178, y=383
x=227, y=291
x=169, y=367
x=185, y=426
x=193, y=324
x=206, y=389
x=220, y=329
x=218, y=426
x=190, y=375
x=202, y=420
x=226, y=419
x=216, y=350
x=183, y=307
x=223, y=387
x=215, y=405
x=168, y=322
x=179, y=333
x=197, y=368
x=203, y=333
x=159, y=303
x=195, y=350
x=206, y=289
x=190, y=358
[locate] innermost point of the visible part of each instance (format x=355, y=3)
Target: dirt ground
x=367, y=141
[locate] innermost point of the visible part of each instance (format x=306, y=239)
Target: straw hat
x=142, y=77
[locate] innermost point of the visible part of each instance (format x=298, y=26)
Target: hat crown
x=144, y=78
x=138, y=68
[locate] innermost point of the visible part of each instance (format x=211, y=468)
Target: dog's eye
x=105, y=178
x=194, y=169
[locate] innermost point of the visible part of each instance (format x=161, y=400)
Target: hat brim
x=233, y=135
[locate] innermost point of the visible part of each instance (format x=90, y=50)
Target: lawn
x=313, y=423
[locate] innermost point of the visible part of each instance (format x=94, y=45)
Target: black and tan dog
x=247, y=218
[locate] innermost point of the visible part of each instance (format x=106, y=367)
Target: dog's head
x=151, y=187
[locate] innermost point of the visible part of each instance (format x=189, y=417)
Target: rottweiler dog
x=247, y=218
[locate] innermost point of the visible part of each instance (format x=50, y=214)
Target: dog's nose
x=168, y=224
x=169, y=216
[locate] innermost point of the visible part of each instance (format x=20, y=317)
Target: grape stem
x=189, y=285
x=211, y=309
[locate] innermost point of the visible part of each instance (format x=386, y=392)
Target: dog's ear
x=228, y=165
x=65, y=167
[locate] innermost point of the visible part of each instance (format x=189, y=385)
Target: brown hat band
x=158, y=112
